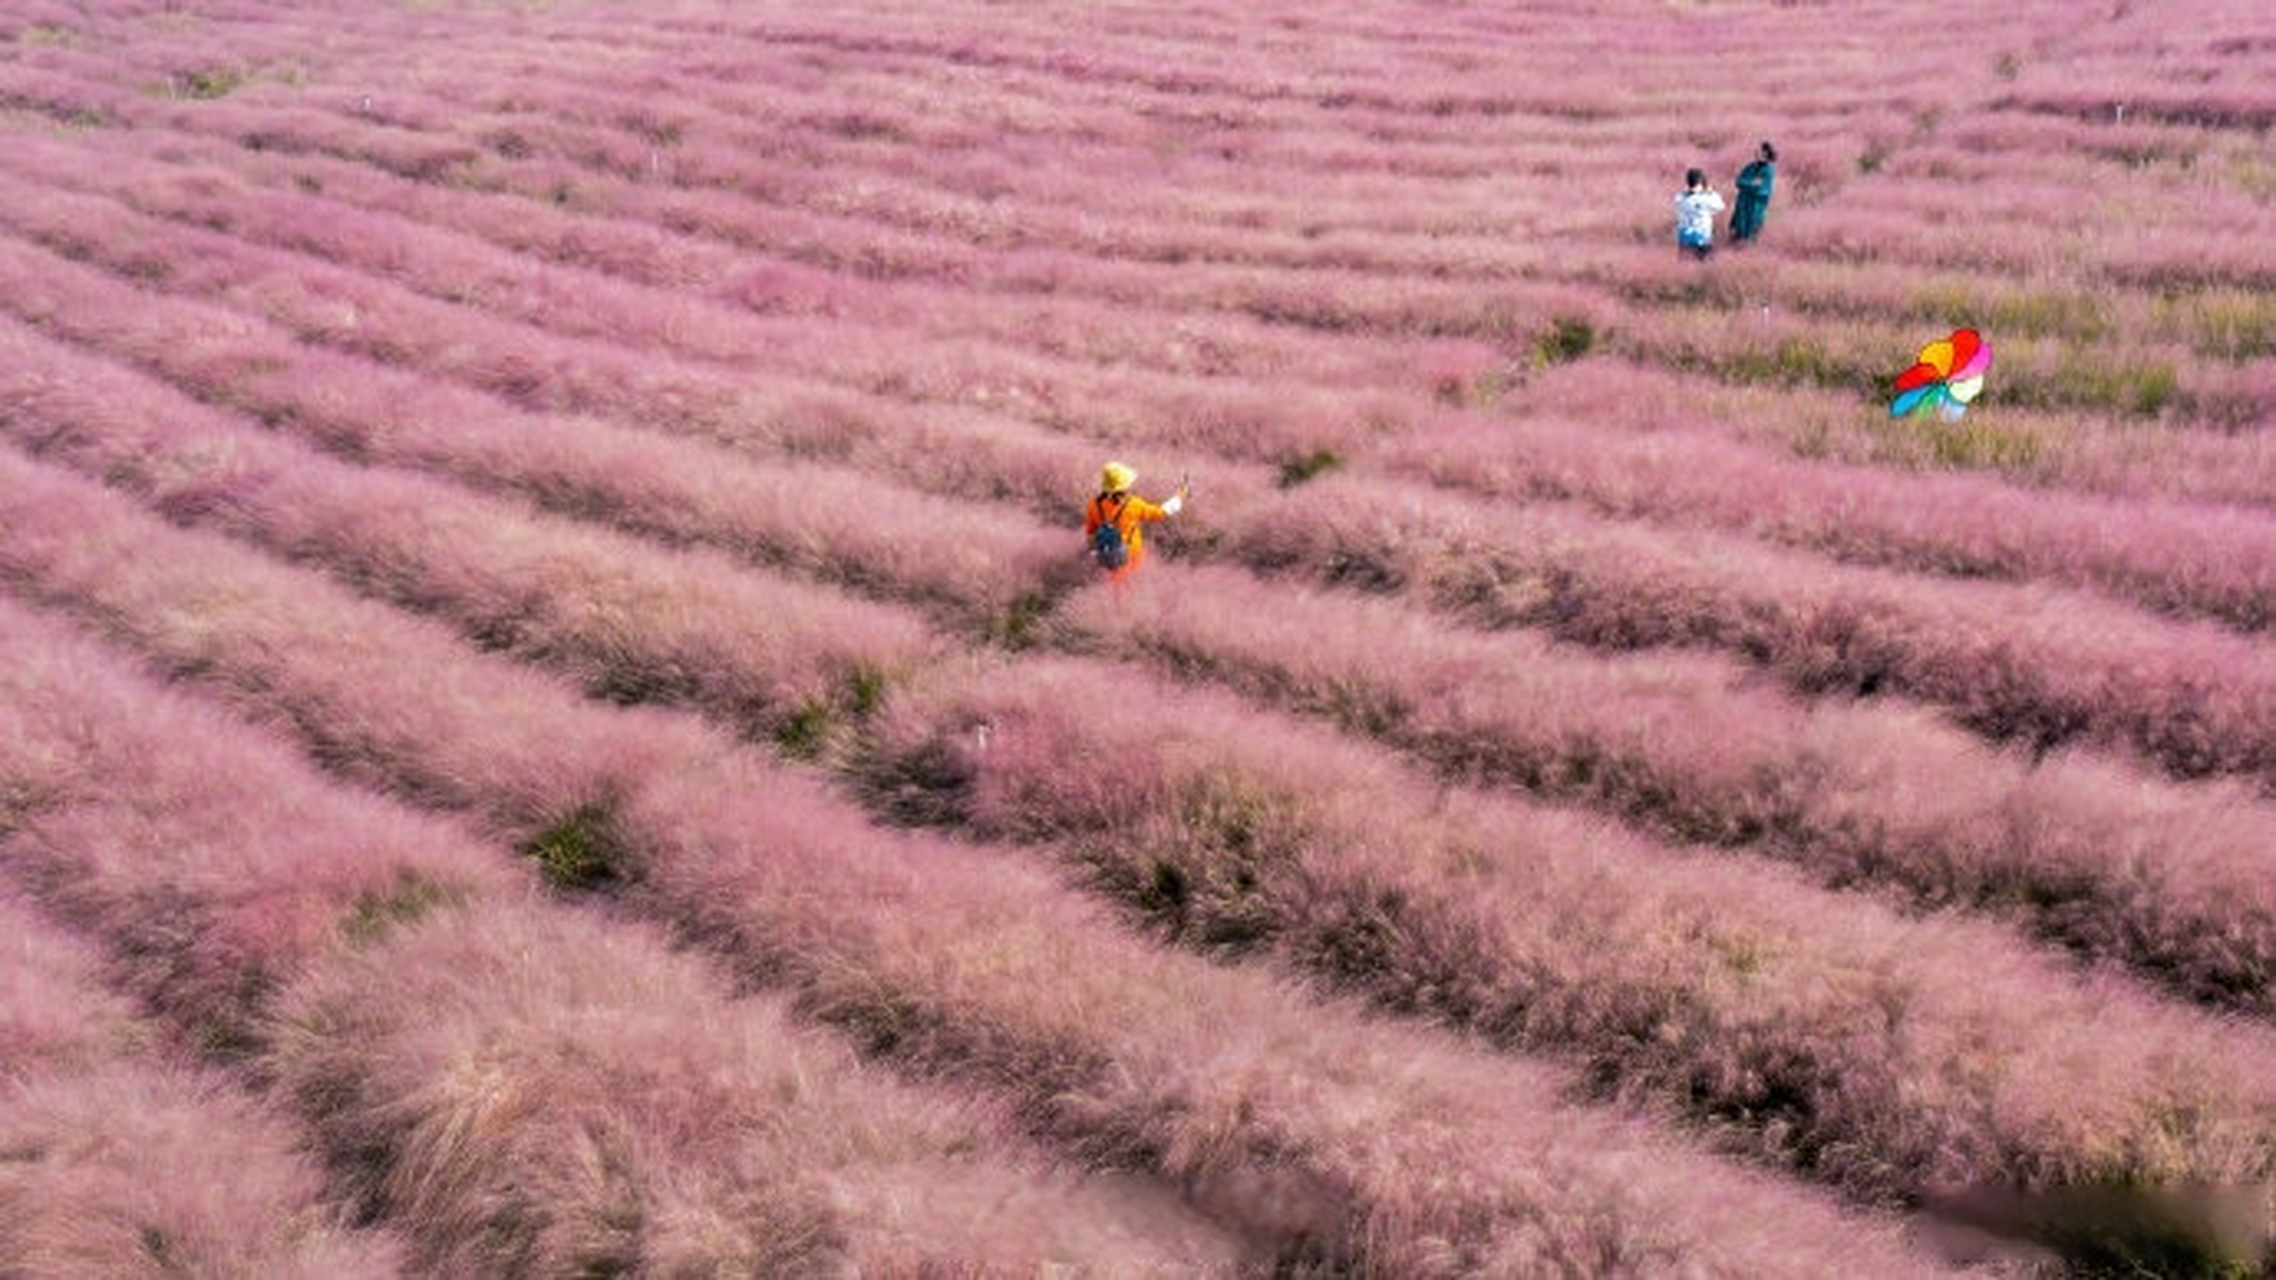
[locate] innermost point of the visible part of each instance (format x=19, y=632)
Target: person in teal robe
x=1753, y=200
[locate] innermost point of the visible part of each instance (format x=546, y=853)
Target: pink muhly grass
x=1235, y=830
x=606, y=986
x=630, y=621
x=771, y=416
x=1678, y=742
x=2083, y=457
x=822, y=520
x=562, y=1094
x=60, y=94
x=498, y=731
x=450, y=730
x=904, y=130
x=122, y=1170
x=1251, y=170
x=240, y=222
x=35, y=16
x=876, y=933
x=539, y=371
x=288, y=128
x=627, y=623
x=788, y=415
x=2213, y=250
x=236, y=851
x=119, y=1160
x=2204, y=75
x=55, y=1017
x=2216, y=561
x=2020, y=662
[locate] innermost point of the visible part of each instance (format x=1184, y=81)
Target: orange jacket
x=1131, y=516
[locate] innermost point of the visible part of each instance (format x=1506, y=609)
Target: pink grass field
x=553, y=717
x=679, y=1127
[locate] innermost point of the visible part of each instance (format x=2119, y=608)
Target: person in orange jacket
x=1115, y=521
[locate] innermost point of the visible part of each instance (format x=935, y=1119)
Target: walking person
x=1114, y=522
x=1753, y=204
x=1695, y=209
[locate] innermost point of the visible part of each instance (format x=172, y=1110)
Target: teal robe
x=1753, y=203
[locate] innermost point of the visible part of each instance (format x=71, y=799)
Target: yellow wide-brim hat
x=1117, y=477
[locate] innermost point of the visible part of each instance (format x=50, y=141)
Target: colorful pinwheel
x=1948, y=374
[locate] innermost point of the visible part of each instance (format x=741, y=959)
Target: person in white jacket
x=1695, y=209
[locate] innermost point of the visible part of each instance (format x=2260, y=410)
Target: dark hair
x=1769, y=152
x=1694, y=177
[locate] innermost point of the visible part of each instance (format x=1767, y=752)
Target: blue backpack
x=1107, y=546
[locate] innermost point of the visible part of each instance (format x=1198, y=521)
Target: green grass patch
x=1975, y=443
x=810, y=730
x=2134, y=388
x=805, y=731
x=1015, y=628
x=210, y=83
x=376, y=912
x=2253, y=173
x=1794, y=361
x=1568, y=339
x=1301, y=468
x=865, y=691
x=2076, y=316
x=2080, y=317
x=583, y=850
x=2227, y=324
x=1204, y=880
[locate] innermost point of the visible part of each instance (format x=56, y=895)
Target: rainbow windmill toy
x=1948, y=373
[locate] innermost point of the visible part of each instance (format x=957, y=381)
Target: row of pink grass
x=2219, y=562
x=1821, y=1028
x=118, y=1157
x=2022, y=663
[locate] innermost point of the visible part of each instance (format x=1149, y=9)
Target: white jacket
x=1695, y=215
